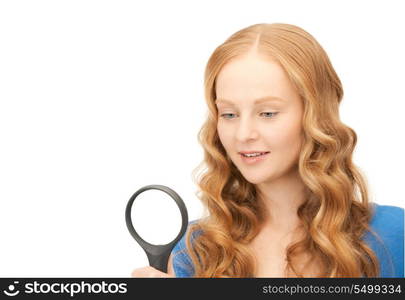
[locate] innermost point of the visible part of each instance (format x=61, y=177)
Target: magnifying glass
x=153, y=216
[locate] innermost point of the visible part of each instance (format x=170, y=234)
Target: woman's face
x=272, y=126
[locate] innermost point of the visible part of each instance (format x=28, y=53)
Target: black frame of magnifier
x=158, y=255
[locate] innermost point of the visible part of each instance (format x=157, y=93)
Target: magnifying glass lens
x=156, y=217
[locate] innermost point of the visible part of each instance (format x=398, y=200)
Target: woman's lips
x=254, y=159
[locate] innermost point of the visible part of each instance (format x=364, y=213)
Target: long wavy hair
x=336, y=211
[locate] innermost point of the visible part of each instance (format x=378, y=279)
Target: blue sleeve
x=388, y=223
x=182, y=264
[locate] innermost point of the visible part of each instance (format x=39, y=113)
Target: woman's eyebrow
x=257, y=101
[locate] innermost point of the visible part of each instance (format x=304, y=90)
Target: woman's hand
x=149, y=272
x=152, y=272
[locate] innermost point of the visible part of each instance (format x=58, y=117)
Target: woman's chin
x=257, y=179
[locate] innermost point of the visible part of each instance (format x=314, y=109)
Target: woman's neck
x=281, y=199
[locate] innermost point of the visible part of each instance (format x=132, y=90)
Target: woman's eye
x=226, y=115
x=272, y=113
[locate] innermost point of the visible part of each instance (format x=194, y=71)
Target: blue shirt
x=387, y=221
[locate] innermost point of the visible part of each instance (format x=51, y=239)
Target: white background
x=99, y=98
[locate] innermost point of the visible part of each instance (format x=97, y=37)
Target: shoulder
x=387, y=223
x=182, y=264
x=386, y=217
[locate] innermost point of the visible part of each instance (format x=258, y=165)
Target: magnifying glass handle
x=159, y=262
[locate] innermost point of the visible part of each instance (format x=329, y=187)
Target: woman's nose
x=246, y=130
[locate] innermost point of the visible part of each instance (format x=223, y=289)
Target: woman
x=282, y=195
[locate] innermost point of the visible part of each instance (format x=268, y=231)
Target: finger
x=139, y=272
x=149, y=272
